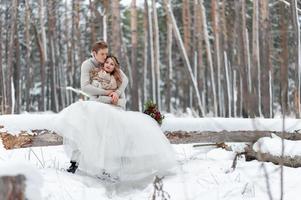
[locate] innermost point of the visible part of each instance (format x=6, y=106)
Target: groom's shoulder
x=87, y=63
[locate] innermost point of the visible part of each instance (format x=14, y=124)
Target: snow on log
x=270, y=149
x=12, y=187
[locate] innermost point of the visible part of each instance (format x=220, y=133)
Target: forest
x=222, y=58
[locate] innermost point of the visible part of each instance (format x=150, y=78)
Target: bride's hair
x=116, y=73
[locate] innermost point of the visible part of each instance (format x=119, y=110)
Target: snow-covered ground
x=203, y=173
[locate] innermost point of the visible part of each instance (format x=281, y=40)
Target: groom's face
x=101, y=55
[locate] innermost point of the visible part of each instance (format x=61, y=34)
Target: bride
x=113, y=143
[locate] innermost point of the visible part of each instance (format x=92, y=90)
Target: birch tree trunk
x=209, y=58
x=11, y=50
x=152, y=61
x=145, y=55
x=2, y=77
x=135, y=97
x=156, y=53
x=297, y=56
x=52, y=60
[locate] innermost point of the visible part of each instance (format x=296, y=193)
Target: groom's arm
x=123, y=85
x=85, y=81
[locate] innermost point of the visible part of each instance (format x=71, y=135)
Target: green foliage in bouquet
x=151, y=109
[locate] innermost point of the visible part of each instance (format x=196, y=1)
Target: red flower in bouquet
x=151, y=109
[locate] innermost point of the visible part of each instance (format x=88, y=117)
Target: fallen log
x=23, y=140
x=49, y=138
x=182, y=137
x=12, y=187
x=266, y=157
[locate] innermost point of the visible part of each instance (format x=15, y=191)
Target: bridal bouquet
x=151, y=109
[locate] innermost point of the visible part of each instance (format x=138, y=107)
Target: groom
x=99, y=54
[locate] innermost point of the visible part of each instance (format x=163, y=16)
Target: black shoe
x=73, y=167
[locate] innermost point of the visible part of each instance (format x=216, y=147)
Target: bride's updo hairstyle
x=116, y=72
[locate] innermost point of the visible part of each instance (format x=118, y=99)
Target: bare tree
x=217, y=47
x=156, y=53
x=297, y=56
x=256, y=95
x=43, y=55
x=209, y=57
x=152, y=61
x=52, y=60
x=28, y=49
x=168, y=59
x=2, y=77
x=185, y=57
x=135, y=97
x=116, y=29
x=11, y=50
x=265, y=64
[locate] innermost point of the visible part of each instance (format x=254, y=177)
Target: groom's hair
x=99, y=45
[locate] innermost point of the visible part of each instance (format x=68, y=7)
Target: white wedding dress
x=126, y=145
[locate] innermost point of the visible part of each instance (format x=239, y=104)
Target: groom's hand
x=114, y=97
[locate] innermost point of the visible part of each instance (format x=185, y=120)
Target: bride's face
x=109, y=65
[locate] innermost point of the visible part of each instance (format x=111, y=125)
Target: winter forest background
x=227, y=58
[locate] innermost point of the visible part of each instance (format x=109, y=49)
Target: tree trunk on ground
x=278, y=160
x=12, y=187
x=49, y=138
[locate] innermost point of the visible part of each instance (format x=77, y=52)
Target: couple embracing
x=104, y=140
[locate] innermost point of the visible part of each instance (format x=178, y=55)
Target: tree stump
x=12, y=187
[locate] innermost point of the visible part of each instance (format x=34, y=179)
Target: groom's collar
x=95, y=62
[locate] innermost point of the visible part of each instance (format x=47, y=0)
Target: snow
x=274, y=145
x=229, y=124
x=203, y=172
x=26, y=122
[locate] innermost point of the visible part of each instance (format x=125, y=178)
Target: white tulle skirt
x=128, y=145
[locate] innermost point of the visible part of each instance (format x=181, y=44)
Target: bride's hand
x=114, y=97
x=109, y=92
